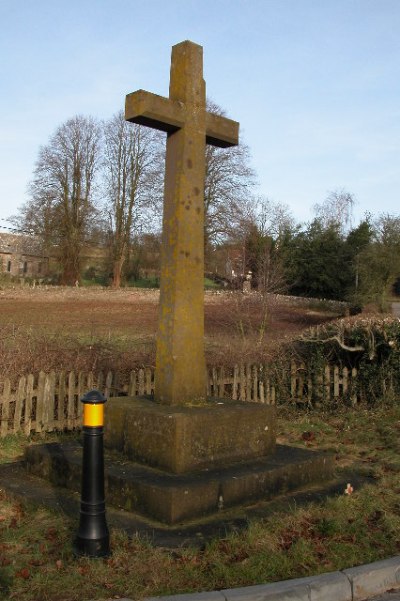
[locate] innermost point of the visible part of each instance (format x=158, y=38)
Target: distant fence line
x=51, y=401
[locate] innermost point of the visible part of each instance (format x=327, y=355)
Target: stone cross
x=180, y=364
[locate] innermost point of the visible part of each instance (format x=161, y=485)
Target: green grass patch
x=152, y=282
x=345, y=530
x=211, y=285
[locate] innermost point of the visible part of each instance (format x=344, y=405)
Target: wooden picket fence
x=51, y=401
x=325, y=386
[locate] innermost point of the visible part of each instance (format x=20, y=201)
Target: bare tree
x=61, y=204
x=228, y=189
x=337, y=210
x=133, y=174
x=272, y=218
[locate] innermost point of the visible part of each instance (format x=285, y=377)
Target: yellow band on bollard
x=93, y=414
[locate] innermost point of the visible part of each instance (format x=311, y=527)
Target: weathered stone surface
x=182, y=439
x=173, y=498
x=180, y=363
x=375, y=578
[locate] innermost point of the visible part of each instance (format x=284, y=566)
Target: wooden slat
x=255, y=396
x=261, y=392
x=268, y=391
x=273, y=395
x=208, y=388
x=236, y=376
x=141, y=382
x=242, y=383
x=61, y=394
x=47, y=407
x=132, y=383
x=345, y=381
x=5, y=407
x=90, y=385
x=80, y=392
x=71, y=401
x=116, y=384
x=100, y=382
x=293, y=380
x=52, y=400
x=214, y=383
x=221, y=383
x=319, y=386
x=40, y=409
x=336, y=381
x=148, y=376
x=327, y=383
x=19, y=400
x=28, y=404
x=353, y=387
x=108, y=386
x=300, y=383
x=248, y=382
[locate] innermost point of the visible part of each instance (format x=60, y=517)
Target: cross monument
x=180, y=363
x=186, y=456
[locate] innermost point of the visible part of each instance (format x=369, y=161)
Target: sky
x=315, y=85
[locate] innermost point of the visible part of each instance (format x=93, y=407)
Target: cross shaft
x=180, y=363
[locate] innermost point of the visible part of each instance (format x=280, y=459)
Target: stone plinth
x=184, y=439
x=175, y=498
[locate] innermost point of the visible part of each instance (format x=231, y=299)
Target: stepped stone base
x=174, y=464
x=173, y=498
x=183, y=439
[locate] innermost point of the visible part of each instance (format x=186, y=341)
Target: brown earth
x=41, y=327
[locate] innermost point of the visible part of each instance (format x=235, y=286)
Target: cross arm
x=154, y=111
x=221, y=131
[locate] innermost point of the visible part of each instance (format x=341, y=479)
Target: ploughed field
x=93, y=328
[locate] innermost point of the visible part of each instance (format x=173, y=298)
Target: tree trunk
x=70, y=276
x=117, y=271
x=70, y=261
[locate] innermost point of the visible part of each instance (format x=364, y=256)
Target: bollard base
x=92, y=548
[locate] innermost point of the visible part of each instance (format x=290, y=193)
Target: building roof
x=20, y=244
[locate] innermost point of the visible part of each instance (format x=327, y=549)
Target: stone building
x=21, y=256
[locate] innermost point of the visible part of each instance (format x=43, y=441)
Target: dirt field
x=40, y=328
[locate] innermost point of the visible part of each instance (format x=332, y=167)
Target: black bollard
x=93, y=538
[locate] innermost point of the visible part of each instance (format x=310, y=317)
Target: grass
x=36, y=556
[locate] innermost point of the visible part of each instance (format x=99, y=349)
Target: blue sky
x=315, y=84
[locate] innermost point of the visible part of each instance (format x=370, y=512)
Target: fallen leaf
x=24, y=573
x=308, y=436
x=51, y=533
x=83, y=570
